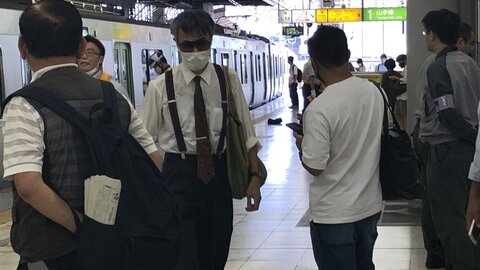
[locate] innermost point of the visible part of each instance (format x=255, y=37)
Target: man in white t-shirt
x=341, y=149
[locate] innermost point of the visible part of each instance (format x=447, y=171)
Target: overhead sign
x=344, y=15
x=385, y=14
x=285, y=16
x=321, y=15
x=292, y=30
x=303, y=16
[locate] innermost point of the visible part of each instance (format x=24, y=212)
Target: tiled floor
x=269, y=239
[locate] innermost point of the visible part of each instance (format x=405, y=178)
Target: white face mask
x=195, y=61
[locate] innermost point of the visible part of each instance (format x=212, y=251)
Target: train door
x=122, y=55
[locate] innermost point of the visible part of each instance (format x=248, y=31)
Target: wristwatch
x=251, y=174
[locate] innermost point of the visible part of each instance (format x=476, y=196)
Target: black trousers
x=206, y=212
x=447, y=191
x=67, y=261
x=306, y=92
x=430, y=238
x=293, y=93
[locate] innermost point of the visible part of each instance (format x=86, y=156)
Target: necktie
x=205, y=170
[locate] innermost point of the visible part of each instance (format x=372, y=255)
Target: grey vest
x=65, y=165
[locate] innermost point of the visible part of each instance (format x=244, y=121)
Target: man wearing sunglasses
x=205, y=202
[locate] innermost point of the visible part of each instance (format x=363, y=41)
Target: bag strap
x=172, y=106
x=222, y=79
x=386, y=108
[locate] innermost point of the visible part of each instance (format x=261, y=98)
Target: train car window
x=245, y=67
x=224, y=57
x=214, y=56
x=259, y=68
x=123, y=67
x=256, y=68
x=2, y=80
x=241, y=69
x=26, y=73
x=235, y=61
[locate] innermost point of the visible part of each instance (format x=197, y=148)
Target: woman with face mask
x=198, y=177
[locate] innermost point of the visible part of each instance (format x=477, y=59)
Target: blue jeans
x=346, y=246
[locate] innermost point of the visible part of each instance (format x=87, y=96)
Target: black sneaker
x=277, y=121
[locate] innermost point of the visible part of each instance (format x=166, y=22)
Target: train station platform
x=277, y=236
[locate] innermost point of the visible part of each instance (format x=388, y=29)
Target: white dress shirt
x=156, y=114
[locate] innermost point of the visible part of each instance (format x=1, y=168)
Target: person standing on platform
x=466, y=39
x=202, y=191
x=435, y=251
x=449, y=124
x=44, y=155
x=361, y=67
x=341, y=149
x=311, y=84
x=91, y=63
x=381, y=67
x=292, y=83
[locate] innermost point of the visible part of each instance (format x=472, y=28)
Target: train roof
x=90, y=12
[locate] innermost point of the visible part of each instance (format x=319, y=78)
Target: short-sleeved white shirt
x=342, y=130
x=158, y=121
x=23, y=130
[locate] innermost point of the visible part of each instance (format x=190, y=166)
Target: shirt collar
x=44, y=70
x=188, y=75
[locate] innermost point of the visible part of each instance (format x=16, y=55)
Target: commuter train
x=260, y=64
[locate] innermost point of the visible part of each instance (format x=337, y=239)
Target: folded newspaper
x=102, y=194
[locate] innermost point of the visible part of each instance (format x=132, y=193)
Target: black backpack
x=147, y=229
x=299, y=75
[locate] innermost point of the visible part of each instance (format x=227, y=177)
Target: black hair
x=191, y=21
x=328, y=46
x=97, y=43
x=383, y=56
x=390, y=64
x=51, y=28
x=359, y=61
x=465, y=31
x=401, y=57
x=444, y=23
x=290, y=58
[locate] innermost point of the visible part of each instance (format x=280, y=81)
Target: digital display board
x=321, y=15
x=292, y=30
x=284, y=16
x=303, y=16
x=385, y=14
x=344, y=15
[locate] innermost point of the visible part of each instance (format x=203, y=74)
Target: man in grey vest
x=44, y=155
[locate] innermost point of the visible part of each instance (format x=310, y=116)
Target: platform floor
x=275, y=237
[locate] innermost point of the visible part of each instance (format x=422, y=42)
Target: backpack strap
x=172, y=106
x=223, y=91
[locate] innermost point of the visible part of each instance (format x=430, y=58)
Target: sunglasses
x=201, y=45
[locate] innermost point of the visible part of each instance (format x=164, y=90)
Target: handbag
x=237, y=154
x=398, y=164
